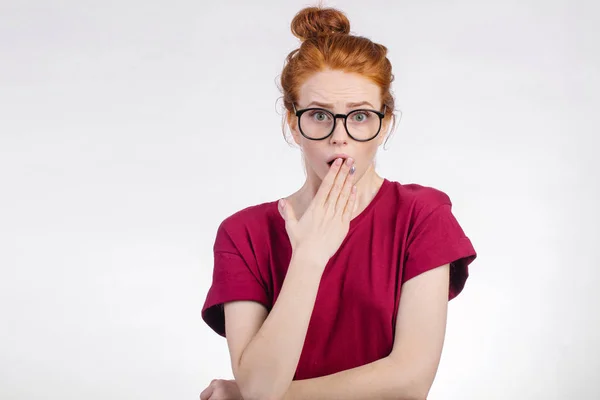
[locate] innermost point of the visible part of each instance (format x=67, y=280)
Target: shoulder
x=419, y=200
x=258, y=214
x=253, y=222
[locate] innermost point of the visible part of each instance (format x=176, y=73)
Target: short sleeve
x=234, y=278
x=437, y=240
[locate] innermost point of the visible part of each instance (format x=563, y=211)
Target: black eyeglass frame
x=299, y=113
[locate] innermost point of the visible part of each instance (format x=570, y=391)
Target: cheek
x=366, y=158
x=315, y=158
x=312, y=154
x=368, y=153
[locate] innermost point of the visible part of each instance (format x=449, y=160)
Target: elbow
x=417, y=391
x=415, y=395
x=413, y=388
x=411, y=383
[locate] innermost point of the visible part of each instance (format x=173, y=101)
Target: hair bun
x=312, y=22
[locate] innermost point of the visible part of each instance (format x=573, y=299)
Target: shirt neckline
x=356, y=220
x=380, y=192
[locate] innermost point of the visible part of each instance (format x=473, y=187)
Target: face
x=340, y=93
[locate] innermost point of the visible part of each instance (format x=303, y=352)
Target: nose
x=339, y=135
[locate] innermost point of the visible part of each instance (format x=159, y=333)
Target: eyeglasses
x=318, y=124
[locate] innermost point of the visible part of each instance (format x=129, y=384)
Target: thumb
x=286, y=211
x=206, y=393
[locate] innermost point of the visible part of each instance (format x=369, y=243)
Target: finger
x=286, y=211
x=325, y=188
x=350, y=205
x=344, y=196
x=206, y=393
x=338, y=184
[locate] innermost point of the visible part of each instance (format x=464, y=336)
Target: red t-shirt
x=406, y=230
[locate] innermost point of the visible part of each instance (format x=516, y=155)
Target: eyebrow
x=349, y=105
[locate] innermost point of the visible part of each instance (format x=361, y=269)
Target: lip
x=336, y=156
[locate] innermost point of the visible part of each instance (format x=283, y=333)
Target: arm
x=409, y=370
x=265, y=349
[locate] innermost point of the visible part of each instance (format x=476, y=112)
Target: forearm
x=268, y=364
x=382, y=379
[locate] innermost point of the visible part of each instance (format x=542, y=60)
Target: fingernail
x=338, y=161
x=352, y=169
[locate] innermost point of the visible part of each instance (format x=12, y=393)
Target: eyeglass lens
x=360, y=124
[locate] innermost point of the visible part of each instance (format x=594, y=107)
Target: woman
x=340, y=290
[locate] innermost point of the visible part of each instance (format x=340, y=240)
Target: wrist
x=308, y=259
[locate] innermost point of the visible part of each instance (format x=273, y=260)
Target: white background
x=129, y=130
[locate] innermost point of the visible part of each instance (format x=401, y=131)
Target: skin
x=338, y=88
x=408, y=372
x=265, y=348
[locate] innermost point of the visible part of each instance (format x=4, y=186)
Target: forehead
x=338, y=88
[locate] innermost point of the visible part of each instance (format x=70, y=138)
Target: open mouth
x=330, y=163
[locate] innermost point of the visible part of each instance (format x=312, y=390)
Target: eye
x=360, y=116
x=319, y=116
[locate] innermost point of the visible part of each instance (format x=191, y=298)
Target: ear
x=385, y=130
x=292, y=122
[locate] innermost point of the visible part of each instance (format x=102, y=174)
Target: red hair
x=327, y=44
